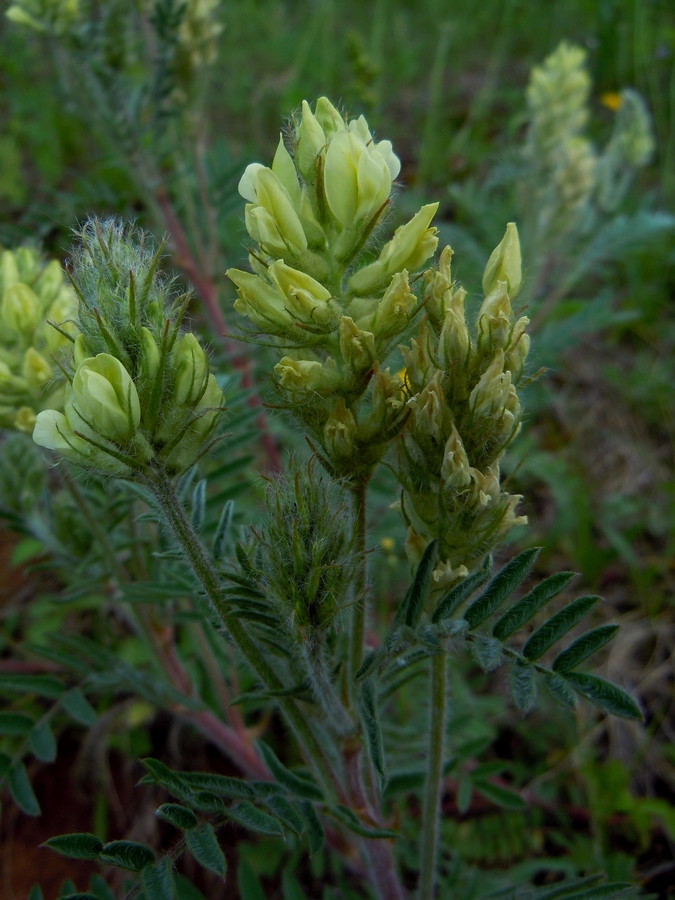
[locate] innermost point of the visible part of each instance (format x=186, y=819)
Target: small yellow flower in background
x=388, y=544
x=612, y=100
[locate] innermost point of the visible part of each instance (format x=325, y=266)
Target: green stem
x=209, y=579
x=358, y=620
x=432, y=788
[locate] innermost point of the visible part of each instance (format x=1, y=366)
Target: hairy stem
x=358, y=619
x=432, y=788
x=209, y=580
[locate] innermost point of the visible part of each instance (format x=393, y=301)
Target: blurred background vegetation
x=139, y=111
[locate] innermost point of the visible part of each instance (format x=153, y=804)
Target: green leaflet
x=158, y=881
x=604, y=694
x=78, y=707
x=127, y=855
x=15, y=723
x=583, y=647
x=42, y=742
x=75, y=846
x=459, y=594
x=558, y=625
x=296, y=784
x=21, y=790
x=411, y=609
x=501, y=587
x=371, y=722
x=522, y=611
x=316, y=836
x=251, y=817
x=204, y=847
x=42, y=685
x=177, y=815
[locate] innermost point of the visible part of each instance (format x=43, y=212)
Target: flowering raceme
x=140, y=394
x=336, y=314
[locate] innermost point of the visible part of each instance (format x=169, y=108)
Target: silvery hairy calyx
x=381, y=358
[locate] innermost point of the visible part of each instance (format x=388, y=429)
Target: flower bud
x=518, y=349
x=430, y=411
x=437, y=285
x=149, y=357
x=36, y=369
x=310, y=141
x=261, y=302
x=209, y=408
x=505, y=264
x=489, y=396
x=494, y=319
x=328, y=118
x=392, y=315
x=270, y=217
x=387, y=397
x=191, y=370
x=453, y=343
x=49, y=283
x=419, y=358
x=284, y=168
x=106, y=398
x=305, y=299
x=9, y=271
x=20, y=309
x=357, y=180
x=455, y=470
x=339, y=431
x=81, y=350
x=357, y=347
x=305, y=376
x=25, y=419
x=411, y=245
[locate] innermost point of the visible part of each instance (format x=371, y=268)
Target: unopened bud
x=328, y=117
x=357, y=347
x=505, y=264
x=20, y=309
x=340, y=431
x=494, y=319
x=36, y=369
x=191, y=367
x=430, y=410
x=310, y=142
x=453, y=343
x=489, y=396
x=270, y=217
x=455, y=469
x=419, y=358
x=106, y=398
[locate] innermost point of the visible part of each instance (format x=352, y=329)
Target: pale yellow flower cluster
x=140, y=394
x=337, y=311
x=32, y=294
x=465, y=411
